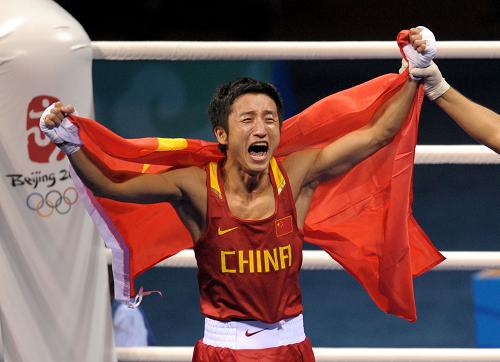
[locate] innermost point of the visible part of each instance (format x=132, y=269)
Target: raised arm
x=171, y=186
x=479, y=122
x=310, y=167
x=145, y=188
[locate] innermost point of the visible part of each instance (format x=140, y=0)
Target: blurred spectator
x=130, y=325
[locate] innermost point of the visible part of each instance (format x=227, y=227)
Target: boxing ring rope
x=320, y=260
x=455, y=154
x=313, y=259
x=184, y=354
x=280, y=50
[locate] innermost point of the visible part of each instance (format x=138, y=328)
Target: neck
x=237, y=179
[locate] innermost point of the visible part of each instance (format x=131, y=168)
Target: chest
x=252, y=208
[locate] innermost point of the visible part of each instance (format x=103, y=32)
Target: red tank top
x=249, y=269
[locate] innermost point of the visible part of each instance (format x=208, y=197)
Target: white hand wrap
x=65, y=136
x=434, y=83
x=421, y=60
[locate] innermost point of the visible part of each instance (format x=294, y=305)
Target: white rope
x=184, y=354
x=320, y=260
x=275, y=50
x=455, y=154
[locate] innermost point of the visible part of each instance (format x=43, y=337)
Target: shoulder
x=186, y=176
x=191, y=180
x=297, y=165
x=297, y=159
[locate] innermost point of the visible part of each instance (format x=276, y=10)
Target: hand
x=434, y=83
x=417, y=40
x=54, y=114
x=59, y=129
x=421, y=49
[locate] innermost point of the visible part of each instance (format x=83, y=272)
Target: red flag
x=363, y=218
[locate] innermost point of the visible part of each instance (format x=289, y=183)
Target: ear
x=221, y=135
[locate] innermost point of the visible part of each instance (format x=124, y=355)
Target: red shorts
x=297, y=352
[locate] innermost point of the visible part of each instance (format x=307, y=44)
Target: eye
x=246, y=120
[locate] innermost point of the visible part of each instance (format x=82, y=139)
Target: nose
x=260, y=128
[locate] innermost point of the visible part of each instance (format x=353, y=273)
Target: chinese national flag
x=284, y=226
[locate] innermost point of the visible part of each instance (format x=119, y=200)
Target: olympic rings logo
x=54, y=200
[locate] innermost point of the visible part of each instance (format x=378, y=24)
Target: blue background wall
x=458, y=206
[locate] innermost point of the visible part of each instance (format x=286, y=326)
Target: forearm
x=480, y=122
x=145, y=188
x=389, y=119
x=90, y=174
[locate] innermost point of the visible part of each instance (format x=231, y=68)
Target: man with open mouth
x=246, y=213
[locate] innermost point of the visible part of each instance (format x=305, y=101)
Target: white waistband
x=253, y=334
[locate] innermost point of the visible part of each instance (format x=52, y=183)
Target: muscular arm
x=174, y=186
x=146, y=188
x=478, y=121
x=343, y=154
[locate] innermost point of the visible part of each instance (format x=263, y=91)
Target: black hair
x=226, y=94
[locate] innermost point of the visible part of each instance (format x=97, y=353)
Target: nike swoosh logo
x=225, y=231
x=248, y=334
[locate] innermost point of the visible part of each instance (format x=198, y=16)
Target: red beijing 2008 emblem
x=40, y=148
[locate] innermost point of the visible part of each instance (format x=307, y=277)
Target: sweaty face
x=254, y=131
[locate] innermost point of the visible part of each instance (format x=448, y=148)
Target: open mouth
x=258, y=150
